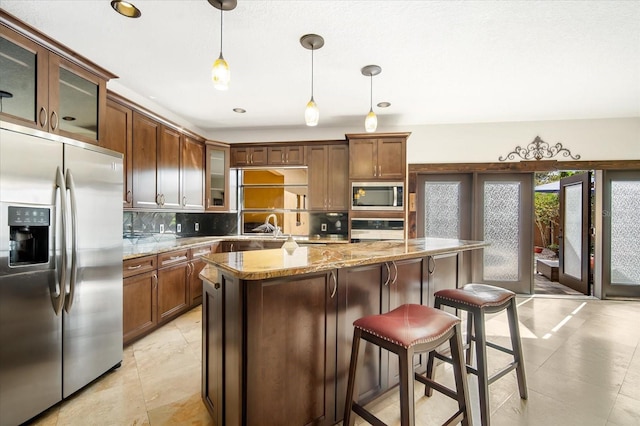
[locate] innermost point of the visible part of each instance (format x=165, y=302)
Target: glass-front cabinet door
x=217, y=177
x=45, y=91
x=23, y=97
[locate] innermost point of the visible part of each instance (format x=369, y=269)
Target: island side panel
x=222, y=341
x=291, y=350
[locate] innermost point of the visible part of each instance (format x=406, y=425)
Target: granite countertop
x=161, y=243
x=263, y=264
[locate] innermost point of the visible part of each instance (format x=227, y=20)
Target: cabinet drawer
x=196, y=252
x=138, y=265
x=172, y=257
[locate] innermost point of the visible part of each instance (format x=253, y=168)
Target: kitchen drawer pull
x=134, y=267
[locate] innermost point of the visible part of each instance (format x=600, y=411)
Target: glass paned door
x=446, y=200
x=621, y=234
x=504, y=218
x=575, y=223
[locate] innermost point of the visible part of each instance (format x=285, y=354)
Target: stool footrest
x=455, y=419
x=502, y=372
x=437, y=386
x=362, y=412
x=500, y=348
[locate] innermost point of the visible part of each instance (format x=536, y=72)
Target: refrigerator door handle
x=68, y=303
x=58, y=293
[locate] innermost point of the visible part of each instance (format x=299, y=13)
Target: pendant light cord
x=221, y=7
x=312, y=49
x=371, y=93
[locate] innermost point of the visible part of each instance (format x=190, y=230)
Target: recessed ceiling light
x=384, y=104
x=239, y=110
x=125, y=8
x=68, y=118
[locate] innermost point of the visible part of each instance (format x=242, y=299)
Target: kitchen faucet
x=276, y=228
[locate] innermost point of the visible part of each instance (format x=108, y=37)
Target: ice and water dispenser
x=28, y=235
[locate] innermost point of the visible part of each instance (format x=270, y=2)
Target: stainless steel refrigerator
x=60, y=268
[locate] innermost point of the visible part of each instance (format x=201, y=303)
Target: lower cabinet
x=159, y=288
x=140, y=297
x=173, y=284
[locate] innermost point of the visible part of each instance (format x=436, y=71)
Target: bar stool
x=405, y=331
x=478, y=300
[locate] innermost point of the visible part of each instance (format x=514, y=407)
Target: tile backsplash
x=139, y=224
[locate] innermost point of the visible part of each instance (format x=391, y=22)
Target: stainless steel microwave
x=377, y=196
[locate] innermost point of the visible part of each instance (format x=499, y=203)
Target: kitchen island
x=277, y=324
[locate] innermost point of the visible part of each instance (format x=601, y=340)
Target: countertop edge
x=331, y=263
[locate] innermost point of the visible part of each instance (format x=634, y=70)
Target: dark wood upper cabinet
x=59, y=92
x=168, y=168
x=146, y=133
x=119, y=137
x=286, y=155
x=328, y=177
x=192, y=173
x=379, y=156
x=248, y=156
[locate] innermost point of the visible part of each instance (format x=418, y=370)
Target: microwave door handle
x=74, y=241
x=395, y=196
x=58, y=293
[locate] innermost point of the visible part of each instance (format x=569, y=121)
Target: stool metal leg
x=407, y=408
x=351, y=383
x=516, y=345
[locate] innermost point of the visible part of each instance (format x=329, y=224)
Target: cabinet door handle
x=335, y=285
x=251, y=159
x=282, y=157
x=44, y=116
x=379, y=171
x=54, y=124
x=395, y=267
x=286, y=157
x=374, y=170
x=134, y=267
x=158, y=199
x=430, y=269
x=129, y=194
x=216, y=286
x=155, y=280
x=388, y=273
x=184, y=201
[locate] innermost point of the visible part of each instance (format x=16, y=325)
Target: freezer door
x=30, y=331
x=92, y=324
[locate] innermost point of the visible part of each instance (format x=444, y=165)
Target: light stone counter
x=264, y=264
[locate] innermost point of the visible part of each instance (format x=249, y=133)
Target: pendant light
x=220, y=73
x=311, y=113
x=371, y=121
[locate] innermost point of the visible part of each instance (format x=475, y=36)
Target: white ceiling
x=442, y=61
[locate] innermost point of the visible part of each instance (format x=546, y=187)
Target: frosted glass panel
x=572, y=248
x=501, y=230
x=625, y=232
x=442, y=209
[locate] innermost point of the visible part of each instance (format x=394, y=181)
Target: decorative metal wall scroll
x=537, y=150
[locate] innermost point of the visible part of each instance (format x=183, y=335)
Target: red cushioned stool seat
x=405, y=331
x=478, y=300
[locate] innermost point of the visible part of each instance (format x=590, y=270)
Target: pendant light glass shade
x=371, y=122
x=311, y=113
x=220, y=74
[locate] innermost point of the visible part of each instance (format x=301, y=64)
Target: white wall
x=600, y=139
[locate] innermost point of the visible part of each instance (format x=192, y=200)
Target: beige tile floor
x=582, y=360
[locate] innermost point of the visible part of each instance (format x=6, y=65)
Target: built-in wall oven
x=377, y=196
x=376, y=229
